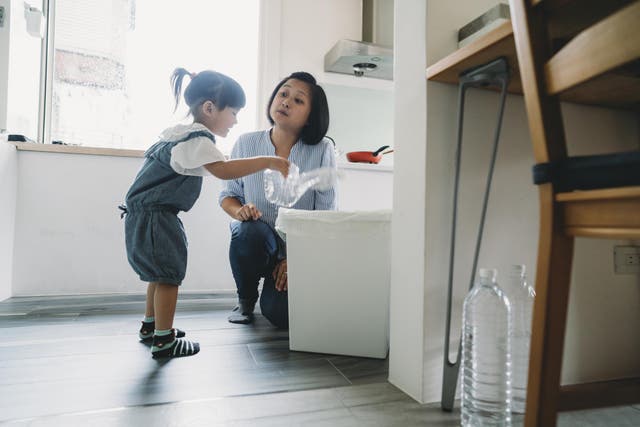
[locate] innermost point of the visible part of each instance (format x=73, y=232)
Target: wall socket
x=626, y=259
x=1, y=16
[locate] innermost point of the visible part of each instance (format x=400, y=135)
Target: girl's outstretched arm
x=237, y=168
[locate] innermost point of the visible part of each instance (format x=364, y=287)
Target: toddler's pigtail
x=176, y=84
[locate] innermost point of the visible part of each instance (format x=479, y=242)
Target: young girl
x=169, y=182
x=299, y=113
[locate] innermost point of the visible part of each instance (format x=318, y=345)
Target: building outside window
x=113, y=59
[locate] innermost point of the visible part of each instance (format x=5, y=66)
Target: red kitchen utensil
x=368, y=156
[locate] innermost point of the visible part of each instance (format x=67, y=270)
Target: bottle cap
x=488, y=273
x=518, y=269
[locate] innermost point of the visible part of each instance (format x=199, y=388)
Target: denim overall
x=155, y=238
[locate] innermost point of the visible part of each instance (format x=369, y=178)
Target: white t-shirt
x=189, y=157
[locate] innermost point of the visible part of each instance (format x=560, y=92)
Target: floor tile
x=77, y=361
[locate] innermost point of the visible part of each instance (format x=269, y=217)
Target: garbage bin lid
x=331, y=223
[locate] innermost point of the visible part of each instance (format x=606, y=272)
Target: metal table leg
x=495, y=73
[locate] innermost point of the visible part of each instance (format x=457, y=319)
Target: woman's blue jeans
x=254, y=252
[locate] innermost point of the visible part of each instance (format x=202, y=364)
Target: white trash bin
x=338, y=279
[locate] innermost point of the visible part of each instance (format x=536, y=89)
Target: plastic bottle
x=520, y=296
x=486, y=364
x=287, y=191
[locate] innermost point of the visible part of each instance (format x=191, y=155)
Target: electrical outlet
x=626, y=259
x=1, y=16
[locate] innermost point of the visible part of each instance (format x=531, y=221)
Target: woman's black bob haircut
x=318, y=122
x=208, y=85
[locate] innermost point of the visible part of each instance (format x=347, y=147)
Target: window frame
x=269, y=18
x=46, y=73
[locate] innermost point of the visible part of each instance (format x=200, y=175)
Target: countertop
x=71, y=149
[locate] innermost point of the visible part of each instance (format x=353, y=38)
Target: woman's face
x=292, y=104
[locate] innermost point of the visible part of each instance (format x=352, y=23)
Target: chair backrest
x=562, y=44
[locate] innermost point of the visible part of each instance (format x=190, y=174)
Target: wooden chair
x=559, y=50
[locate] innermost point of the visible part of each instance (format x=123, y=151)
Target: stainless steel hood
x=371, y=57
x=360, y=59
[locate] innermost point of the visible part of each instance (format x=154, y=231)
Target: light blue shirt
x=250, y=189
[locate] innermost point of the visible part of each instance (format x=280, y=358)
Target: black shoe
x=146, y=332
x=243, y=312
x=168, y=346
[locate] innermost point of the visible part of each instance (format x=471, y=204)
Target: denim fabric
x=154, y=235
x=156, y=245
x=158, y=184
x=254, y=251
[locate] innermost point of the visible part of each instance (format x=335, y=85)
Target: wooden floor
x=76, y=361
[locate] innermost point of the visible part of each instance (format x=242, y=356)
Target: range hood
x=360, y=59
x=371, y=57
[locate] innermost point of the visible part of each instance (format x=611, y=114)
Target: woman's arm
x=236, y=168
x=232, y=197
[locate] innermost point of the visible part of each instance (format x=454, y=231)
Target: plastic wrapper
x=287, y=191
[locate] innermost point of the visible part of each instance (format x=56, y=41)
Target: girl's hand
x=280, y=276
x=248, y=212
x=279, y=164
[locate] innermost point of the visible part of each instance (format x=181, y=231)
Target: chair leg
x=553, y=275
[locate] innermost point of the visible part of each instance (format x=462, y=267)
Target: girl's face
x=219, y=121
x=291, y=106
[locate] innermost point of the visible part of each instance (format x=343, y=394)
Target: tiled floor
x=76, y=361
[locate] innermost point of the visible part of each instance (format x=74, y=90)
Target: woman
x=299, y=115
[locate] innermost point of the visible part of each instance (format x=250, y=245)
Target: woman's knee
x=251, y=238
x=249, y=232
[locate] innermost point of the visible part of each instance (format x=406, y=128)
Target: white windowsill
x=75, y=149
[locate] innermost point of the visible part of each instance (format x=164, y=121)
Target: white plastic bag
x=332, y=224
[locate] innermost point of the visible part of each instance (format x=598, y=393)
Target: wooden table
x=620, y=89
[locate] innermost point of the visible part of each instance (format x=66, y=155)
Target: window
x=112, y=60
x=20, y=59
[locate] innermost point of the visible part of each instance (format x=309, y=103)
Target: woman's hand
x=280, y=276
x=279, y=164
x=247, y=212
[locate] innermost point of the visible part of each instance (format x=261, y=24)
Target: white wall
x=361, y=119
x=295, y=35
x=8, y=184
x=598, y=297
x=70, y=239
x=309, y=29
x=408, y=240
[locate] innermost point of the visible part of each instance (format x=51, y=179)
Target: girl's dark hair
x=318, y=122
x=212, y=86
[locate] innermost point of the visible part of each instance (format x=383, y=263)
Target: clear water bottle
x=486, y=357
x=287, y=191
x=520, y=296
